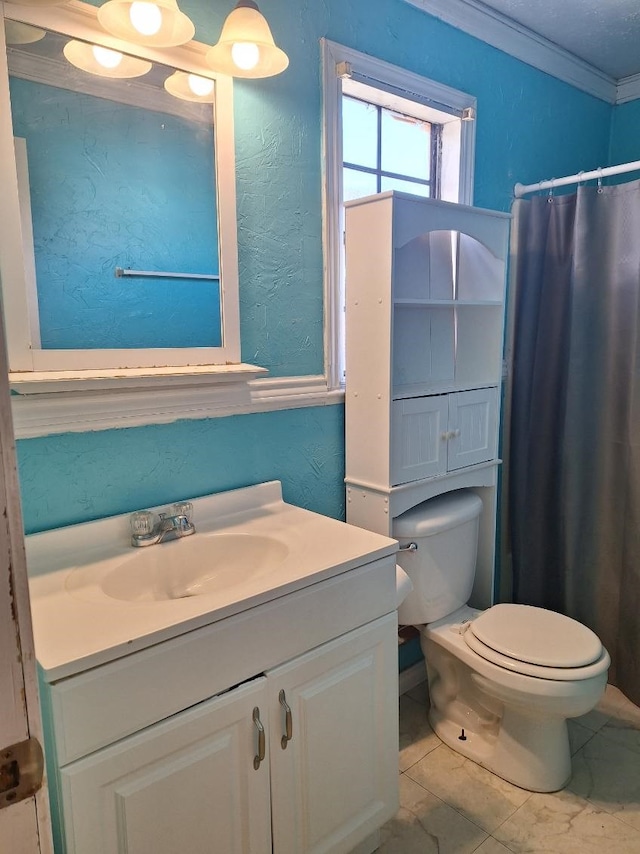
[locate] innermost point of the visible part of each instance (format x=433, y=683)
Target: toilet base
x=529, y=752
x=510, y=726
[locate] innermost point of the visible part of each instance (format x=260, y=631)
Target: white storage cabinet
x=425, y=301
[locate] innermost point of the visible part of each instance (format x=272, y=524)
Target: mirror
x=121, y=186
x=120, y=205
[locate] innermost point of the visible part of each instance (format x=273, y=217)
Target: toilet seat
x=536, y=642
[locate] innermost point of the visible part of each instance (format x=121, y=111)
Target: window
x=385, y=128
x=383, y=149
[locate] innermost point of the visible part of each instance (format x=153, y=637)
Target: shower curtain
x=574, y=458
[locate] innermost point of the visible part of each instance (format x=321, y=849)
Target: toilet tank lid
x=438, y=514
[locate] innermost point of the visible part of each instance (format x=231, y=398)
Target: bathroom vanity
x=246, y=706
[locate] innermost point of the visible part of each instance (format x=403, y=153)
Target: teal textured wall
x=529, y=126
x=74, y=477
x=625, y=135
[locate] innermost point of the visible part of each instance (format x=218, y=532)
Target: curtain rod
x=521, y=189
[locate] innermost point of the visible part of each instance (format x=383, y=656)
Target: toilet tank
x=442, y=568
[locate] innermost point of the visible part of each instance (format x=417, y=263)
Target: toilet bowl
x=502, y=682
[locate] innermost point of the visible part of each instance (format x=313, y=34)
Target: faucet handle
x=183, y=508
x=141, y=523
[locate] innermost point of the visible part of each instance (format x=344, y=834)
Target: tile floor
x=449, y=805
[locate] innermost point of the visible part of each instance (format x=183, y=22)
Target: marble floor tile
x=449, y=804
x=492, y=846
x=615, y=704
x=593, y=720
x=420, y=693
x=608, y=776
x=623, y=725
x=473, y=791
x=578, y=735
x=563, y=823
x=416, y=736
x=614, y=709
x=426, y=825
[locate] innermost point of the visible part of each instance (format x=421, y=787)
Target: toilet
x=502, y=682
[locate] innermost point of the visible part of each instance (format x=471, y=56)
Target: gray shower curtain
x=574, y=459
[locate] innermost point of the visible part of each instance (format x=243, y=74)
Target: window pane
x=405, y=186
x=359, y=133
x=357, y=184
x=406, y=145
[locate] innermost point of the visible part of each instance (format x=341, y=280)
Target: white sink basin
x=95, y=598
x=192, y=566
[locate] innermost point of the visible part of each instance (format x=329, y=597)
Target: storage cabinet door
x=336, y=780
x=418, y=438
x=184, y=785
x=473, y=427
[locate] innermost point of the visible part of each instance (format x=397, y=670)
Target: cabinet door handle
x=257, y=759
x=288, y=721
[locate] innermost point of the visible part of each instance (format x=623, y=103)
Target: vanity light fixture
x=191, y=87
x=103, y=61
x=246, y=47
x=158, y=24
x=17, y=33
x=39, y=3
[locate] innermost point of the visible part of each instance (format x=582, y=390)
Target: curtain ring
x=550, y=193
x=599, y=179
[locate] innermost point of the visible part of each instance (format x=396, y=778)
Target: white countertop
x=76, y=631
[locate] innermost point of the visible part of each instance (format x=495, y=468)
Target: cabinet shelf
x=401, y=392
x=445, y=303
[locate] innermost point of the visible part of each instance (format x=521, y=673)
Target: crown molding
x=489, y=26
x=628, y=89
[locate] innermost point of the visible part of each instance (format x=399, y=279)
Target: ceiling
x=604, y=33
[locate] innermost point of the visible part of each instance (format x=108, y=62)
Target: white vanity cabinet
x=157, y=753
x=186, y=784
x=425, y=300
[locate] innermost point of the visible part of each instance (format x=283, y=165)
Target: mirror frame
x=79, y=20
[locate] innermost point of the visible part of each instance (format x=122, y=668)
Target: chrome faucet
x=145, y=531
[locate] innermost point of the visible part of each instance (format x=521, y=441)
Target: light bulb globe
x=146, y=18
x=106, y=57
x=245, y=55
x=200, y=85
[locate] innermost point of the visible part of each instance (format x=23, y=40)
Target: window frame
x=340, y=63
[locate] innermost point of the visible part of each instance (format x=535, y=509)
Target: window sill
x=45, y=382
x=81, y=401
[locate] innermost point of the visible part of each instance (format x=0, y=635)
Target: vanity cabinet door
x=335, y=782
x=187, y=784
